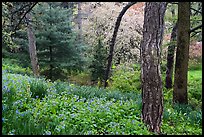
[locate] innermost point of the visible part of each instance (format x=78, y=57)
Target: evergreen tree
x=56, y=42
x=98, y=62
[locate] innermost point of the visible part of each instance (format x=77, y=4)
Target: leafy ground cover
x=38, y=106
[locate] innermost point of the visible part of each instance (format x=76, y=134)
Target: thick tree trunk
x=182, y=54
x=32, y=47
x=112, y=43
x=170, y=58
x=152, y=96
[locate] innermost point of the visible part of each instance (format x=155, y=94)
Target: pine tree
x=98, y=62
x=56, y=42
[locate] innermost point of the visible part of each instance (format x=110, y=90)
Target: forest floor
x=32, y=106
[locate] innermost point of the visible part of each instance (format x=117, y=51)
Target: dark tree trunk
x=32, y=47
x=152, y=96
x=112, y=43
x=182, y=54
x=170, y=58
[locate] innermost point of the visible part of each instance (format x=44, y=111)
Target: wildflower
x=48, y=133
x=89, y=132
x=17, y=112
x=73, y=115
x=90, y=109
x=22, y=114
x=133, y=121
x=61, y=115
x=121, y=102
x=3, y=119
x=63, y=127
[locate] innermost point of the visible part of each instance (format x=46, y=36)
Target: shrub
x=38, y=89
x=126, y=79
x=12, y=66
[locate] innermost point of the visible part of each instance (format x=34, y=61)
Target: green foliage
x=38, y=89
x=195, y=64
x=7, y=41
x=80, y=78
x=63, y=108
x=98, y=65
x=64, y=113
x=56, y=41
x=126, y=79
x=37, y=106
x=195, y=88
x=12, y=66
x=69, y=109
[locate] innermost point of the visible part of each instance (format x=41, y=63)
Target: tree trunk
x=152, y=96
x=32, y=47
x=182, y=54
x=112, y=43
x=170, y=58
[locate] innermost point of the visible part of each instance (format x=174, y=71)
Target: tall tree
x=182, y=54
x=56, y=41
x=170, y=57
x=99, y=61
x=152, y=96
x=32, y=46
x=112, y=43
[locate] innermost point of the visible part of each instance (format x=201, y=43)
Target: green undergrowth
x=13, y=66
x=32, y=106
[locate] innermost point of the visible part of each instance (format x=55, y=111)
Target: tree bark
x=182, y=54
x=32, y=47
x=152, y=96
x=112, y=43
x=170, y=58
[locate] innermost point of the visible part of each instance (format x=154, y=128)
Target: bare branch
x=193, y=29
x=195, y=32
x=25, y=15
x=24, y=6
x=197, y=11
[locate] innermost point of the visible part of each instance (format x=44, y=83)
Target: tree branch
x=112, y=43
x=25, y=15
x=195, y=32
x=21, y=8
x=197, y=11
x=198, y=27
